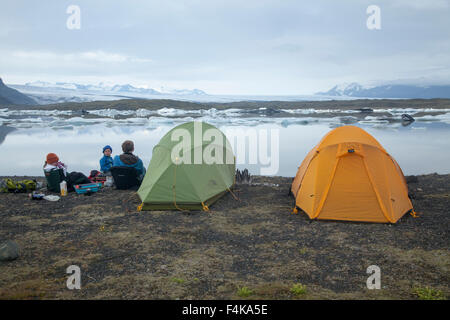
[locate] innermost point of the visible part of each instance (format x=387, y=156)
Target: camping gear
x=63, y=188
x=74, y=178
x=51, y=197
x=36, y=196
x=8, y=185
x=192, y=184
x=97, y=176
x=54, y=178
x=350, y=176
x=87, y=187
x=93, y=174
x=243, y=177
x=125, y=177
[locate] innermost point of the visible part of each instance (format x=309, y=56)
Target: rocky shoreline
x=154, y=104
x=254, y=242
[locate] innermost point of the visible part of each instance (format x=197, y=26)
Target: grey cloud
x=254, y=47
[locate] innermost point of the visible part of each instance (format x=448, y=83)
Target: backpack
x=74, y=178
x=97, y=176
x=8, y=185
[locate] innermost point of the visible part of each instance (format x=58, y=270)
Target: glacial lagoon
x=26, y=137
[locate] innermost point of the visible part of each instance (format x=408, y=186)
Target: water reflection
x=4, y=130
x=419, y=148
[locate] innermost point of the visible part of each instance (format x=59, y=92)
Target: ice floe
x=233, y=116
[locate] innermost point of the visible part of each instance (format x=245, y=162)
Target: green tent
x=191, y=167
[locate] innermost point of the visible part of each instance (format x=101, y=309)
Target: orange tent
x=349, y=176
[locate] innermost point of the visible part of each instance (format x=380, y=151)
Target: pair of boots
x=243, y=177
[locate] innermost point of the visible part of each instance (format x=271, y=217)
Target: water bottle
x=63, y=188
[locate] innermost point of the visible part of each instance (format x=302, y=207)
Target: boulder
x=407, y=118
x=9, y=250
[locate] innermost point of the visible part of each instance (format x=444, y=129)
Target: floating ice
x=441, y=118
x=411, y=111
x=111, y=113
x=232, y=116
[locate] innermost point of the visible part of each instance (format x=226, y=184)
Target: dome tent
x=350, y=176
x=191, y=167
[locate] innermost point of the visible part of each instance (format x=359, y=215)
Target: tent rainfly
x=350, y=176
x=192, y=166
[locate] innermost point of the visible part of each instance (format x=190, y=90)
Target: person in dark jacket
x=106, y=162
x=128, y=159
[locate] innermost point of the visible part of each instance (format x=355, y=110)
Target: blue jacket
x=139, y=166
x=106, y=163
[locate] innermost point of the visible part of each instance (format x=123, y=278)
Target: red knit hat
x=52, y=158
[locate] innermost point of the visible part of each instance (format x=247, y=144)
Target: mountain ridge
x=12, y=96
x=123, y=88
x=390, y=91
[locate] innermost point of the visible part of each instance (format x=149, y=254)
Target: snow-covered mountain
x=400, y=91
x=66, y=86
x=345, y=89
x=59, y=92
x=90, y=87
x=127, y=88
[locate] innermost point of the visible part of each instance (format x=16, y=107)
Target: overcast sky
x=226, y=47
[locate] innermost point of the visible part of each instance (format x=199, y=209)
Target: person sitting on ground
x=128, y=159
x=106, y=162
x=72, y=178
x=52, y=163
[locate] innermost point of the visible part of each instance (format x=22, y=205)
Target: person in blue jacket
x=128, y=159
x=106, y=162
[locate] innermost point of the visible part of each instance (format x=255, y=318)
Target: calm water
x=420, y=148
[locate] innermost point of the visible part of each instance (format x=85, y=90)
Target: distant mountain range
x=12, y=96
x=60, y=92
x=39, y=92
x=102, y=87
x=400, y=91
